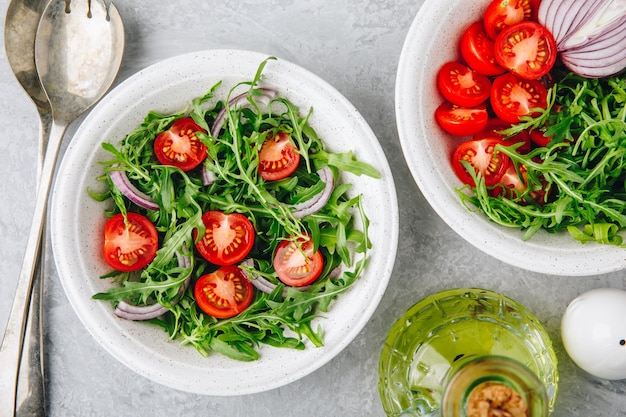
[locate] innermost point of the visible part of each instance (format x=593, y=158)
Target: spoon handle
x=30, y=394
x=10, y=350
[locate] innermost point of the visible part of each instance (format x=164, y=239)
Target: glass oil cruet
x=468, y=353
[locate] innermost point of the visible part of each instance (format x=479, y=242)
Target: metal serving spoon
x=22, y=19
x=78, y=52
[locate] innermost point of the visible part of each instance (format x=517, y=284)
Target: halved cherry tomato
x=477, y=50
x=461, y=85
x=511, y=185
x=223, y=293
x=526, y=49
x=278, y=157
x=481, y=155
x=227, y=239
x=494, y=128
x=179, y=146
x=296, y=263
x=129, y=247
x=512, y=97
x=461, y=121
x=514, y=183
x=538, y=137
x=504, y=13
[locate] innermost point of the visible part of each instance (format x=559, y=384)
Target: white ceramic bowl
x=77, y=222
x=431, y=41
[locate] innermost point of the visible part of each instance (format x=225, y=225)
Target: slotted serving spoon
x=78, y=51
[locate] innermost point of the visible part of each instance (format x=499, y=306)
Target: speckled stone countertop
x=355, y=46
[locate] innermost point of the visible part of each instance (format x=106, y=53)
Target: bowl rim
x=167, y=363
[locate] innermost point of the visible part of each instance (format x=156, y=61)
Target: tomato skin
x=296, y=264
x=228, y=238
x=477, y=50
x=129, y=249
x=526, y=49
x=223, y=293
x=480, y=154
x=501, y=14
x=461, y=85
x=534, y=10
x=495, y=126
x=461, y=121
x=179, y=146
x=539, y=139
x=512, y=97
x=278, y=157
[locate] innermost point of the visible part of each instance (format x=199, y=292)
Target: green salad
x=575, y=181
x=228, y=224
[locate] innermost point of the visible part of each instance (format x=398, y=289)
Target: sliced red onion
x=552, y=15
x=123, y=184
x=563, y=21
x=605, y=22
x=544, y=11
x=262, y=284
x=590, y=34
x=315, y=203
x=605, y=46
x=592, y=71
x=336, y=273
x=131, y=312
x=266, y=94
x=258, y=281
x=208, y=177
x=593, y=59
x=123, y=312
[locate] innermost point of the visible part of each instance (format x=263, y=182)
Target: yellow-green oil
x=442, y=332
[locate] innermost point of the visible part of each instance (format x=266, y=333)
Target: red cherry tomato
x=179, y=146
x=477, y=50
x=538, y=137
x=278, y=157
x=512, y=97
x=296, y=263
x=461, y=121
x=227, y=239
x=501, y=14
x=494, y=128
x=511, y=185
x=461, y=85
x=129, y=247
x=526, y=49
x=514, y=183
x=223, y=293
x=481, y=155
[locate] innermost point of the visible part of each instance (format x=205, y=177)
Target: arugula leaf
x=582, y=169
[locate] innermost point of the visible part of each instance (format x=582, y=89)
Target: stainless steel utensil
x=78, y=52
x=22, y=19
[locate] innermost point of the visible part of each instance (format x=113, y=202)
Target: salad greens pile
x=284, y=317
x=581, y=172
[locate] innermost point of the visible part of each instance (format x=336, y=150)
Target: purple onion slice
x=318, y=201
x=123, y=184
x=147, y=312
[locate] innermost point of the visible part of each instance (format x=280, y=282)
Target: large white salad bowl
x=432, y=40
x=78, y=220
